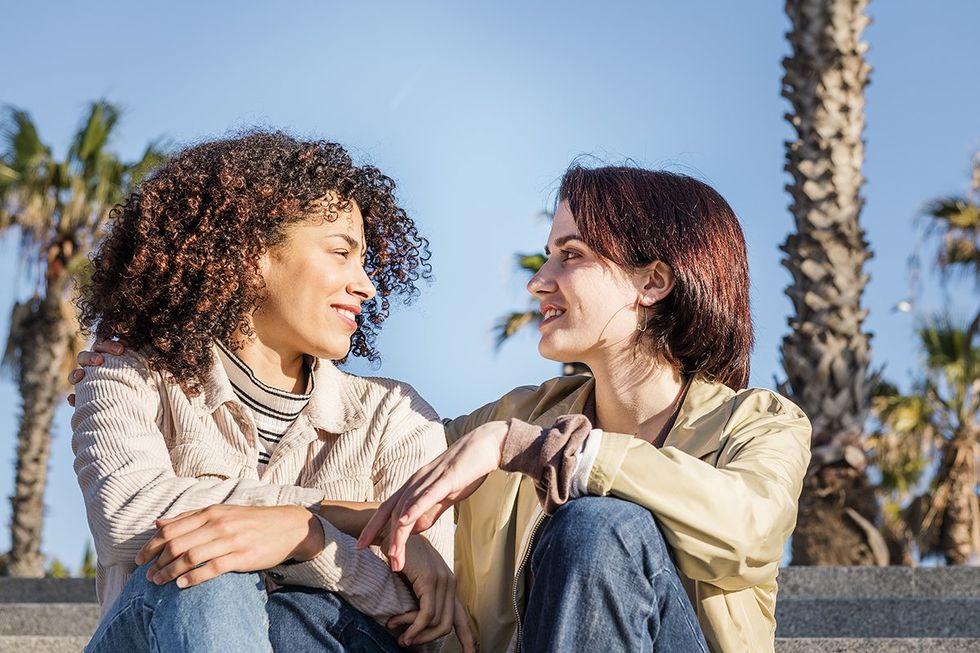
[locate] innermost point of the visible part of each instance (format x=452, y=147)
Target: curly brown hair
x=180, y=266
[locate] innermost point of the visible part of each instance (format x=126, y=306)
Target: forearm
x=349, y=517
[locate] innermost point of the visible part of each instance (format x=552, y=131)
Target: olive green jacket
x=724, y=489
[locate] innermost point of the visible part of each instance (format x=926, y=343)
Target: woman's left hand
x=198, y=545
x=447, y=480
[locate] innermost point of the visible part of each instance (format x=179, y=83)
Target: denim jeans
x=234, y=613
x=604, y=580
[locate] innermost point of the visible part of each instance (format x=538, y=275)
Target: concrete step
x=888, y=617
x=877, y=645
x=41, y=644
x=47, y=590
x=879, y=582
x=48, y=619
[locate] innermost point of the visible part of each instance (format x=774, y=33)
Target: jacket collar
x=333, y=408
x=699, y=425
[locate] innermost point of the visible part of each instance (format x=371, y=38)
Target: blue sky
x=476, y=109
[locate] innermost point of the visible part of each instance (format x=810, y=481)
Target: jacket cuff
x=360, y=577
x=608, y=462
x=585, y=463
x=548, y=456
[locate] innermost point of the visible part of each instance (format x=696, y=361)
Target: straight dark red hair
x=633, y=217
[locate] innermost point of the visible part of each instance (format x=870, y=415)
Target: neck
x=275, y=367
x=635, y=395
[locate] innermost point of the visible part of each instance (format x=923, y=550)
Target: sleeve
x=124, y=467
x=549, y=456
x=727, y=524
x=412, y=435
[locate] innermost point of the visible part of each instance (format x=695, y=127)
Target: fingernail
x=98, y=359
x=181, y=582
x=139, y=559
x=157, y=577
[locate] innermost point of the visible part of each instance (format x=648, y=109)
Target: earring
x=641, y=326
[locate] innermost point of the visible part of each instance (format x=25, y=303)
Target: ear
x=654, y=282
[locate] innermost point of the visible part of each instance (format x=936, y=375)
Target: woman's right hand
x=88, y=358
x=435, y=587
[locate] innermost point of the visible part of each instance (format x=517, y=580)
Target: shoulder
x=129, y=368
x=762, y=402
x=381, y=394
x=530, y=401
x=760, y=414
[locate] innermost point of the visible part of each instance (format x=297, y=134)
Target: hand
x=435, y=587
x=447, y=480
x=198, y=545
x=88, y=358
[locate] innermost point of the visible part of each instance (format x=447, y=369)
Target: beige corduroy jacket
x=144, y=450
x=724, y=489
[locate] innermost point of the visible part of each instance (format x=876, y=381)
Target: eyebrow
x=350, y=241
x=562, y=240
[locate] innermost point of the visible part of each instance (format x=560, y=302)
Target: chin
x=558, y=354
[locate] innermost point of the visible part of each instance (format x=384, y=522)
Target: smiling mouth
x=347, y=315
x=550, y=316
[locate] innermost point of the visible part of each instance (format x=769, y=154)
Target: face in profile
x=315, y=284
x=589, y=304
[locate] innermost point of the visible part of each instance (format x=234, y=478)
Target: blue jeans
x=234, y=613
x=604, y=580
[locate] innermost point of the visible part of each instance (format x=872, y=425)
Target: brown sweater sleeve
x=546, y=455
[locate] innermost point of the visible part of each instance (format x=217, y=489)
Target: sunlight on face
x=315, y=285
x=589, y=304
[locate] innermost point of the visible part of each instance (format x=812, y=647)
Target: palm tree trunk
x=827, y=354
x=960, y=531
x=43, y=343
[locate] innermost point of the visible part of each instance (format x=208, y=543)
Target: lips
x=347, y=313
x=551, y=312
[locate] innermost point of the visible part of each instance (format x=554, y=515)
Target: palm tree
x=827, y=353
x=60, y=208
x=517, y=320
x=939, y=421
x=955, y=221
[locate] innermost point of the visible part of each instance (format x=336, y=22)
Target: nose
x=361, y=286
x=542, y=283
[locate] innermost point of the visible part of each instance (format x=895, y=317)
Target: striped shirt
x=274, y=410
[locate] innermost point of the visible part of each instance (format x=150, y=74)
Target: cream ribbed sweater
x=144, y=450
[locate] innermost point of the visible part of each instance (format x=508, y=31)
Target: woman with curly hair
x=224, y=455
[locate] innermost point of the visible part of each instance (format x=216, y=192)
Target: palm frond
x=512, y=323
x=955, y=213
x=949, y=349
x=531, y=262
x=22, y=146
x=153, y=157
x=903, y=445
x=93, y=137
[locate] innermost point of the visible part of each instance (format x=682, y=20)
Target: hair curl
x=180, y=266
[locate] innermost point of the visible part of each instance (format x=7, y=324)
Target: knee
x=587, y=527
x=230, y=589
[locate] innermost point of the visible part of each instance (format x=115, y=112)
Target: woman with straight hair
x=644, y=508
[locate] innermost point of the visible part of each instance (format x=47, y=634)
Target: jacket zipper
x=520, y=568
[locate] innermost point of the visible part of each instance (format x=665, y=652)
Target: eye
x=343, y=253
x=567, y=255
